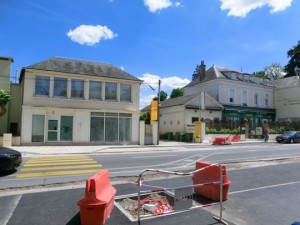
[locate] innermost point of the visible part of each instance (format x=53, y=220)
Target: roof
x=217, y=72
x=287, y=82
x=184, y=101
x=6, y=58
x=173, y=102
x=82, y=67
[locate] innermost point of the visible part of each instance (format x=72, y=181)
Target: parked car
x=9, y=159
x=289, y=137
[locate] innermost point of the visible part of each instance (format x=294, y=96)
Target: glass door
x=52, y=130
x=66, y=128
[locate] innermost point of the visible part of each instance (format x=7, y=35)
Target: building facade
x=76, y=101
x=243, y=96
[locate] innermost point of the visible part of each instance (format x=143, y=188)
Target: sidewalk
x=35, y=151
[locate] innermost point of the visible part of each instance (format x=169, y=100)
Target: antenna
x=16, y=75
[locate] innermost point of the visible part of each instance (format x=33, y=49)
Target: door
x=52, y=130
x=66, y=128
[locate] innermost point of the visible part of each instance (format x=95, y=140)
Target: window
x=60, y=87
x=77, y=88
x=256, y=99
x=231, y=96
x=66, y=128
x=125, y=92
x=97, y=127
x=95, y=90
x=110, y=91
x=266, y=100
x=42, y=85
x=244, y=98
x=124, y=127
x=38, y=124
x=194, y=119
x=110, y=127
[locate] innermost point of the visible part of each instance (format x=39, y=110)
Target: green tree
x=5, y=98
x=293, y=66
x=196, y=72
x=163, y=96
x=145, y=117
x=177, y=92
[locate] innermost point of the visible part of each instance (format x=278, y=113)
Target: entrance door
x=66, y=128
x=52, y=130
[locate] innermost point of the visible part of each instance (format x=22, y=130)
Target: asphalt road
x=267, y=195
x=131, y=164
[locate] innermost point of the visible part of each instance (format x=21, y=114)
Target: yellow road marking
x=60, y=163
x=43, y=174
x=59, y=160
x=61, y=167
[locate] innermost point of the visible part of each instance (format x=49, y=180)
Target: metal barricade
x=159, y=189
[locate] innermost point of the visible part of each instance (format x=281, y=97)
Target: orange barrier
x=222, y=141
x=98, y=202
x=236, y=138
x=207, y=177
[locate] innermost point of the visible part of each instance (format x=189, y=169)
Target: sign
x=153, y=110
x=183, y=198
x=197, y=129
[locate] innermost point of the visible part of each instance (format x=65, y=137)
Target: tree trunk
x=2, y=109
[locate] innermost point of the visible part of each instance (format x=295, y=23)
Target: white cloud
x=145, y=100
x=242, y=8
x=167, y=85
x=177, y=4
x=156, y=5
x=122, y=68
x=90, y=35
x=168, y=82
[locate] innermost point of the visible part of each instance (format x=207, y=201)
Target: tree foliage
x=177, y=92
x=5, y=98
x=196, y=72
x=293, y=66
x=272, y=72
x=163, y=96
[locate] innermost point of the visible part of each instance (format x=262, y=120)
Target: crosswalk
x=58, y=166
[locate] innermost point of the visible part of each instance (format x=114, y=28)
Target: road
x=75, y=168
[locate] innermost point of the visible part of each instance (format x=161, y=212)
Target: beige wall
x=5, y=70
x=172, y=119
x=54, y=108
x=287, y=102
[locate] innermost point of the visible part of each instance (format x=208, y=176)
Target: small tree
x=196, y=72
x=5, y=98
x=177, y=92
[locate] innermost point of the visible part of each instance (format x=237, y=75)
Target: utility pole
x=158, y=109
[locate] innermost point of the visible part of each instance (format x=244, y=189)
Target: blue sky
x=151, y=39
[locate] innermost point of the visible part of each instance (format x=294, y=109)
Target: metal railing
x=159, y=189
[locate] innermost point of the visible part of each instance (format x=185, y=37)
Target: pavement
x=35, y=151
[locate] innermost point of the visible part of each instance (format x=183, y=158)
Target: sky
x=151, y=39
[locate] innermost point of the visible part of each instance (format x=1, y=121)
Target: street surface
x=264, y=186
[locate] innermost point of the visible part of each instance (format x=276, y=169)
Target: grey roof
x=286, y=82
x=217, y=72
x=173, y=102
x=82, y=67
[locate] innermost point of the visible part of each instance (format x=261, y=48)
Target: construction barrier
x=96, y=206
x=209, y=178
x=236, y=138
x=183, y=194
x=222, y=141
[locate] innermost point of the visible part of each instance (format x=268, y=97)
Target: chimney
x=202, y=71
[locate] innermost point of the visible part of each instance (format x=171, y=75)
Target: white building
x=76, y=101
x=242, y=95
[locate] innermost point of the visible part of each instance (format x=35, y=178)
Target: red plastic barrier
x=209, y=175
x=98, y=202
x=222, y=141
x=236, y=138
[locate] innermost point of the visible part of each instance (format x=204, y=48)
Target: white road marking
x=265, y=187
x=151, y=156
x=11, y=208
